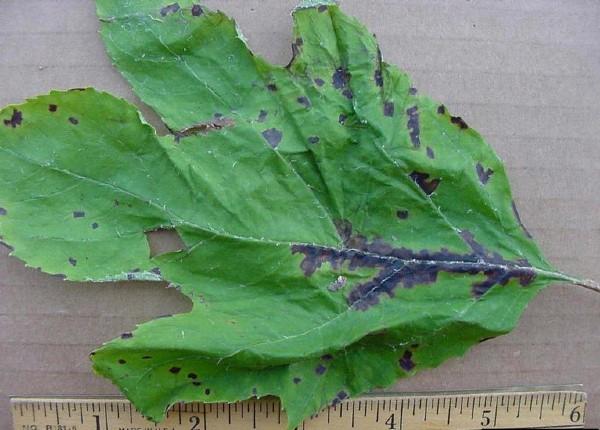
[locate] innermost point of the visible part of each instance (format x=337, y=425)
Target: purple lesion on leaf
x=388, y=109
x=320, y=369
x=422, y=180
x=15, y=120
x=430, y=153
x=456, y=120
x=483, y=173
x=72, y=261
x=406, y=362
x=3, y=211
x=296, y=380
x=273, y=137
x=378, y=77
x=73, y=120
x=340, y=78
x=319, y=82
x=78, y=214
x=169, y=9
x=414, y=129
x=402, y=214
x=339, y=397
x=518, y=217
x=304, y=101
x=52, y=108
x=408, y=268
x=262, y=115
x=197, y=10
x=127, y=335
x=412, y=91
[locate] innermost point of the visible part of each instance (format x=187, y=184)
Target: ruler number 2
x=195, y=421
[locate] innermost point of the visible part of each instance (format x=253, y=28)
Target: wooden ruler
x=524, y=408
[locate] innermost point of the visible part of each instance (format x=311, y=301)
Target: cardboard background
x=525, y=74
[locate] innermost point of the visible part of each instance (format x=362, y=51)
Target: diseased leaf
x=340, y=231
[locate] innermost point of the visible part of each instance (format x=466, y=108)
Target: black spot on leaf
x=378, y=77
x=342, y=395
x=413, y=126
x=388, y=109
x=422, y=180
x=169, y=9
x=272, y=87
x=78, y=214
x=127, y=335
x=320, y=82
x=73, y=120
x=95, y=225
x=175, y=370
x=72, y=261
x=338, y=284
x=313, y=139
x=52, y=108
x=484, y=174
x=322, y=8
x=340, y=78
x=121, y=361
x=459, y=122
x=156, y=271
x=406, y=362
x=402, y=213
x=3, y=211
x=412, y=91
x=272, y=136
x=320, y=369
x=15, y=120
x=348, y=94
x=430, y=153
x=197, y=383
x=262, y=116
x=327, y=357
x=297, y=380
x=342, y=118
x=402, y=266
x=146, y=357
x=197, y=10
x=192, y=376
x=304, y=101
x=441, y=109
x=207, y=391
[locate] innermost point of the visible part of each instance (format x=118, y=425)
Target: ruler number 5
x=485, y=419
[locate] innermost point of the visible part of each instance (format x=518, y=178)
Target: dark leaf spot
x=340, y=78
x=342, y=118
x=121, y=361
x=406, y=362
x=52, y=108
x=441, y=109
x=313, y=139
x=197, y=383
x=169, y=9
x=127, y=335
x=422, y=180
x=95, y=225
x=304, y=101
x=207, y=391
x=412, y=91
x=402, y=266
x=388, y=109
x=197, y=10
x=254, y=391
x=192, y=376
x=299, y=41
x=175, y=370
x=146, y=357
x=484, y=174
x=378, y=77
x=413, y=126
x=320, y=369
x=430, y=153
x=272, y=87
x=348, y=94
x=518, y=217
x=342, y=395
x=297, y=380
x=338, y=284
x=15, y=120
x=73, y=120
x=72, y=261
x=322, y=8
x=3, y=211
x=272, y=136
x=459, y=122
x=116, y=203
x=262, y=116
x=78, y=214
x=402, y=214
x=327, y=357
x=156, y=271
x=320, y=82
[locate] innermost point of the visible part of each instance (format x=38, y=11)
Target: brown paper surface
x=524, y=74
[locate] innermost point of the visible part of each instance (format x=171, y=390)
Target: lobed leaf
x=340, y=230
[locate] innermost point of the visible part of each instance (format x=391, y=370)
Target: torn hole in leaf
x=164, y=240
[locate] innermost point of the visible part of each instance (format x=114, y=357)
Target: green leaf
x=340, y=231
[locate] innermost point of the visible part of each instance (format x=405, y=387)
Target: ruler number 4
x=391, y=422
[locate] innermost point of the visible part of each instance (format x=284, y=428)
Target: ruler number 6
x=575, y=415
